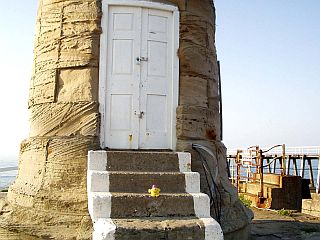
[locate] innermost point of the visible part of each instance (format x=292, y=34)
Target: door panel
x=157, y=64
x=122, y=56
x=139, y=93
x=156, y=121
x=124, y=40
x=121, y=116
x=156, y=77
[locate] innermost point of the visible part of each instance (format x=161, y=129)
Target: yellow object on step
x=154, y=191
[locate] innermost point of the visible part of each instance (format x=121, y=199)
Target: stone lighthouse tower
x=122, y=79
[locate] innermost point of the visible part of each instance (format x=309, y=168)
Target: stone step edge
x=98, y=181
x=97, y=160
x=105, y=229
x=99, y=204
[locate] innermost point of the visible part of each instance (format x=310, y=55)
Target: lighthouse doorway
x=141, y=82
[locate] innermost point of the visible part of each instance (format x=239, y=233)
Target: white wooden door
x=139, y=79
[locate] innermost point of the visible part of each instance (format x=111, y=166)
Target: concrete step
x=135, y=161
x=254, y=188
x=128, y=205
x=140, y=182
x=159, y=228
x=270, y=178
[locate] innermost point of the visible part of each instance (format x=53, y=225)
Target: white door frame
x=103, y=60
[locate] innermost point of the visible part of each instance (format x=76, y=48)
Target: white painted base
x=99, y=197
x=99, y=205
x=201, y=203
x=213, y=230
x=104, y=229
x=184, y=161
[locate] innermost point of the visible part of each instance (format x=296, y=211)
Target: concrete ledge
x=192, y=182
x=97, y=160
x=212, y=229
x=201, y=204
x=184, y=161
x=312, y=206
x=104, y=229
x=98, y=181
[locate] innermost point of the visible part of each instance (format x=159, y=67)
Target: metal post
x=274, y=165
x=283, y=158
x=220, y=102
x=238, y=171
x=269, y=167
x=261, y=173
x=257, y=159
x=288, y=164
x=310, y=172
x=232, y=170
x=318, y=177
x=295, y=166
x=302, y=167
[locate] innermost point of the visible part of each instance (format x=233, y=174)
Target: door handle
x=141, y=59
x=139, y=114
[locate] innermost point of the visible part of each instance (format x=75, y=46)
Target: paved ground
x=269, y=225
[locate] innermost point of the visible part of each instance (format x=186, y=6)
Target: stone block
x=193, y=91
x=194, y=29
x=197, y=123
x=79, y=51
x=196, y=60
x=201, y=8
x=44, y=93
x=31, y=173
x=52, y=174
x=64, y=119
x=78, y=85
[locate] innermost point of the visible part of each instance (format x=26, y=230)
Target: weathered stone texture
x=65, y=119
x=234, y=216
x=198, y=113
x=50, y=190
x=50, y=168
x=197, y=123
x=51, y=185
x=78, y=85
x=67, y=37
x=195, y=86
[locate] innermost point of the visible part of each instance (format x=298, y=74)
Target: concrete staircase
x=121, y=208
x=278, y=192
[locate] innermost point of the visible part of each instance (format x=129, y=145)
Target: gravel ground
x=269, y=225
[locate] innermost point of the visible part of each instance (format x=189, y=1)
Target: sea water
x=7, y=178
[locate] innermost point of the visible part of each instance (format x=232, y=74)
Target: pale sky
x=270, y=66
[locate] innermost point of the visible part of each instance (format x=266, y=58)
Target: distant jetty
x=7, y=169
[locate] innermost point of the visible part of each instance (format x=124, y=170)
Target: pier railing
x=249, y=164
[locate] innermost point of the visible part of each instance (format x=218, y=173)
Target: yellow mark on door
x=130, y=138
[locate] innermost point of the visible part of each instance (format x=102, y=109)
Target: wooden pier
x=258, y=166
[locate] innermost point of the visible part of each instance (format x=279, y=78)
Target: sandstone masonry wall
x=49, y=196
